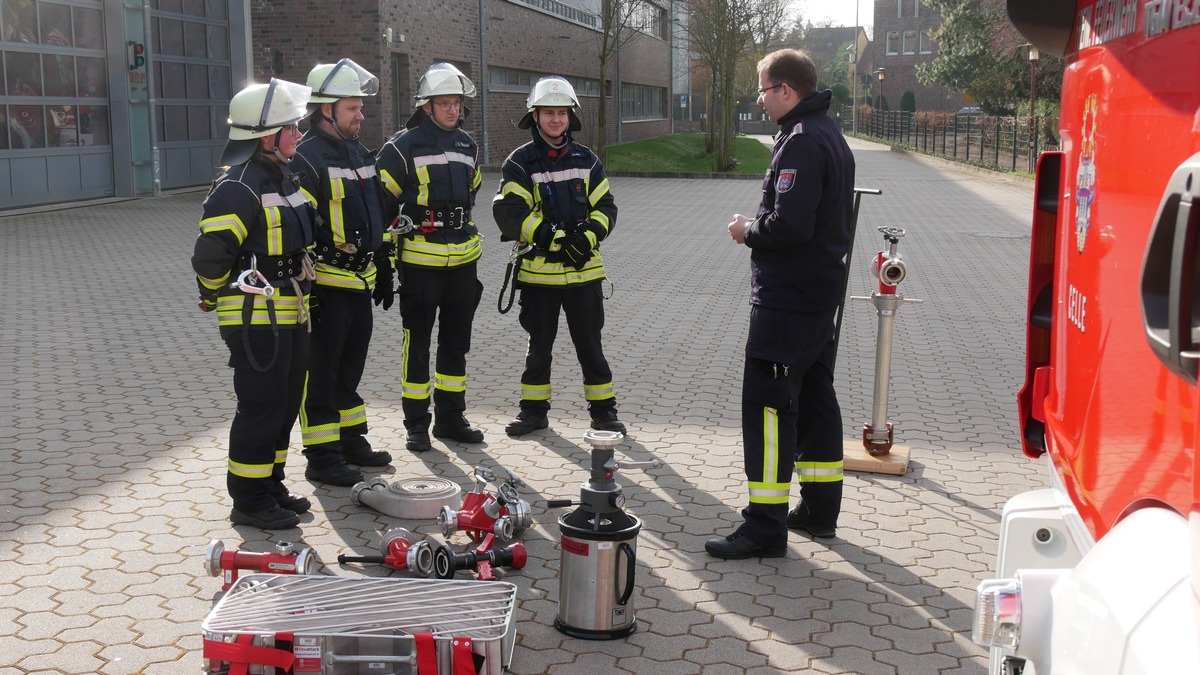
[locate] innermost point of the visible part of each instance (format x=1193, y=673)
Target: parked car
x=970, y=110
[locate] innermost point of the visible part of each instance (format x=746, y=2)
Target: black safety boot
x=458, y=428
x=606, y=420
x=526, y=422
x=338, y=474
x=798, y=520
x=736, y=547
x=273, y=518
x=290, y=502
x=417, y=440
x=357, y=450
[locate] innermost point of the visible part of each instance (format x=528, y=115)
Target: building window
x=893, y=42
x=564, y=11
x=649, y=19
x=910, y=42
x=917, y=8
x=55, y=70
x=899, y=9
x=521, y=81
x=927, y=41
x=639, y=102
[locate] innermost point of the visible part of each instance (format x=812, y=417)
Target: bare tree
x=729, y=37
x=719, y=34
x=617, y=29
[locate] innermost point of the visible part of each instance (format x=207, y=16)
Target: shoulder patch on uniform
x=798, y=129
x=785, y=181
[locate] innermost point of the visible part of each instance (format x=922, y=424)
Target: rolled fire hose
x=412, y=498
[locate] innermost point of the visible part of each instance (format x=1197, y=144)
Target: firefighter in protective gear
x=555, y=195
x=798, y=242
x=253, y=268
x=430, y=173
x=352, y=262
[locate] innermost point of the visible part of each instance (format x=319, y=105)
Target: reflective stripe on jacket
x=544, y=198
x=424, y=166
x=340, y=179
x=253, y=208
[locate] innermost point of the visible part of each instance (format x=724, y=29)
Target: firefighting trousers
x=584, y=307
x=267, y=406
x=449, y=296
x=790, y=421
x=333, y=414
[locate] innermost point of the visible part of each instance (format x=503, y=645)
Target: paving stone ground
x=115, y=402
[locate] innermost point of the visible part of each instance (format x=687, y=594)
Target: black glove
x=577, y=249
x=385, y=278
x=208, y=303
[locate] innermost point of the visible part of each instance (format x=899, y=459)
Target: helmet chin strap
x=333, y=121
x=275, y=150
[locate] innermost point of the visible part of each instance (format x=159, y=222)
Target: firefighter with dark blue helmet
x=554, y=196
x=253, y=270
x=352, y=262
x=430, y=172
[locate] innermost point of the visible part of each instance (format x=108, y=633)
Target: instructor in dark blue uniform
x=798, y=242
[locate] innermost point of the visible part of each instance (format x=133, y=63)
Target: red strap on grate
x=426, y=654
x=242, y=653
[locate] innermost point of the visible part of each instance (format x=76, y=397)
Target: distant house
x=903, y=30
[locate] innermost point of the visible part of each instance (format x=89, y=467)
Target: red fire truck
x=1100, y=573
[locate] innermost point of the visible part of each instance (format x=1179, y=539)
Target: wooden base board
x=857, y=458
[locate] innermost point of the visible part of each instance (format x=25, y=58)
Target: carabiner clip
x=245, y=283
x=519, y=249
x=402, y=225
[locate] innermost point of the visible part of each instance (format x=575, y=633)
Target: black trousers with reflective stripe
x=267, y=406
x=584, y=307
x=338, y=353
x=449, y=296
x=797, y=383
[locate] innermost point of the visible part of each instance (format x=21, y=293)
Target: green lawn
x=683, y=153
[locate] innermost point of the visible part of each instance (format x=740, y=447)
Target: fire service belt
x=447, y=217
x=276, y=267
x=352, y=262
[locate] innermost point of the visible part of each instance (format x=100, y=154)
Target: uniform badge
x=785, y=181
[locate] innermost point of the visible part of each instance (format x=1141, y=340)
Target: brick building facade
x=522, y=40
x=902, y=41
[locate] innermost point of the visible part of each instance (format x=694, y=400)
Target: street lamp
x=1033, y=59
x=880, y=74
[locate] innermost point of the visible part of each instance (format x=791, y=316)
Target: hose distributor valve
x=401, y=551
x=283, y=560
x=484, y=516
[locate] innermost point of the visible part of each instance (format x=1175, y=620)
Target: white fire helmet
x=552, y=91
x=442, y=79
x=344, y=79
x=261, y=110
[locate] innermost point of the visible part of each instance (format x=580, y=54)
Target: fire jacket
x=339, y=177
x=254, y=214
x=547, y=194
x=431, y=175
x=799, y=237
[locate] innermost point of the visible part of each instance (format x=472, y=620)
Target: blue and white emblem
x=785, y=181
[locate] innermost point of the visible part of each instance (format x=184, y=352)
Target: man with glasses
x=798, y=242
x=430, y=173
x=338, y=174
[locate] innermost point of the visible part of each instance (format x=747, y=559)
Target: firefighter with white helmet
x=554, y=195
x=430, y=172
x=253, y=269
x=353, y=262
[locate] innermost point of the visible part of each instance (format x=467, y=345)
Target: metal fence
x=1003, y=143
